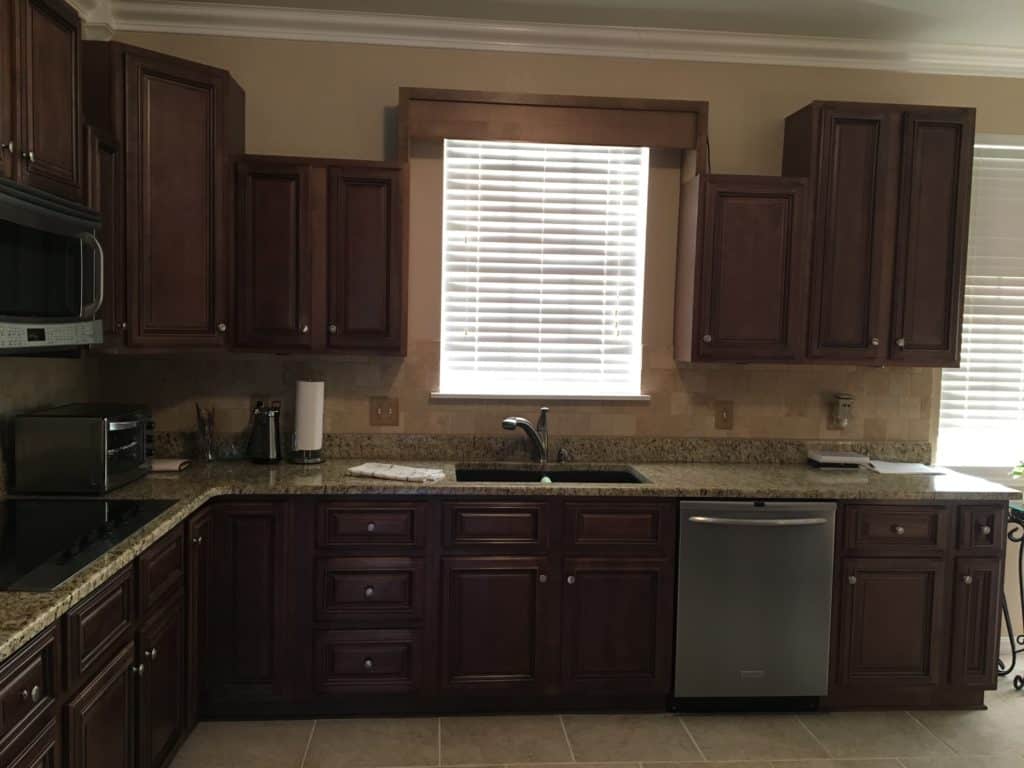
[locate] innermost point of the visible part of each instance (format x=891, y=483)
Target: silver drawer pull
x=197, y=540
x=34, y=695
x=543, y=578
x=139, y=669
x=968, y=579
x=368, y=592
x=150, y=654
x=367, y=663
x=570, y=580
x=899, y=530
x=986, y=530
x=371, y=527
x=763, y=522
x=852, y=579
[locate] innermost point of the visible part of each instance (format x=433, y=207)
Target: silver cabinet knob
x=874, y=342
x=543, y=578
x=139, y=669
x=852, y=579
x=901, y=342
x=30, y=156
x=305, y=329
x=986, y=530
x=368, y=592
x=150, y=654
x=899, y=530
x=34, y=695
x=367, y=663
x=122, y=326
x=197, y=540
x=968, y=579
x=332, y=329
x=707, y=338
x=9, y=146
x=222, y=327
x=570, y=580
x=371, y=527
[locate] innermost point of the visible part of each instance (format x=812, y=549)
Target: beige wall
x=337, y=100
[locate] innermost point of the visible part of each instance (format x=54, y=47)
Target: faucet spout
x=538, y=435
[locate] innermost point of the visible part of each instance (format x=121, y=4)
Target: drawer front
x=613, y=526
x=98, y=626
x=365, y=525
x=891, y=529
x=476, y=524
x=34, y=748
x=27, y=684
x=162, y=570
x=981, y=527
x=368, y=661
x=370, y=589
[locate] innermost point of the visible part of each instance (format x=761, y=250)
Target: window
x=981, y=419
x=543, y=269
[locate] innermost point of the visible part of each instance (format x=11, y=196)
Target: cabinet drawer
x=363, y=525
x=370, y=661
x=97, y=627
x=981, y=527
x=162, y=570
x=370, y=589
x=36, y=747
x=503, y=524
x=892, y=529
x=613, y=526
x=27, y=684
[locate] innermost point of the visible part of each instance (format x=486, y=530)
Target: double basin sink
x=525, y=473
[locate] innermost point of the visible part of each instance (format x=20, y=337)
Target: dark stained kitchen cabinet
x=977, y=588
x=741, y=278
x=101, y=718
x=104, y=190
x=162, y=695
x=274, y=264
x=8, y=87
x=364, y=259
x=199, y=567
x=42, y=751
x=890, y=189
x=617, y=625
x=499, y=627
x=180, y=125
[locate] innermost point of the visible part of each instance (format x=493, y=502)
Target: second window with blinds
x=543, y=269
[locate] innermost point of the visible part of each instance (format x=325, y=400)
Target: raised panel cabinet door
x=891, y=622
x=248, y=610
x=49, y=149
x=8, y=86
x=752, y=267
x=931, y=243
x=857, y=176
x=101, y=718
x=617, y=625
x=199, y=546
x=162, y=685
x=977, y=588
x=365, y=291
x=104, y=188
x=177, y=263
x=499, y=628
x=274, y=261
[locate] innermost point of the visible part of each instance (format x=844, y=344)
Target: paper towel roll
x=309, y=416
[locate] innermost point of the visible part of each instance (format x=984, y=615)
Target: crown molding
x=97, y=18
x=223, y=19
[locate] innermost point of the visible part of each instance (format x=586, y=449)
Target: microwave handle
x=97, y=274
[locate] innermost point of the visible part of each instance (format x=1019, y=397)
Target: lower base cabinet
x=977, y=588
x=162, y=685
x=42, y=751
x=101, y=718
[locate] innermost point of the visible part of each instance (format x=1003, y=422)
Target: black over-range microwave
x=51, y=272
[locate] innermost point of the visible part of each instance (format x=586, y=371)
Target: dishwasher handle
x=758, y=522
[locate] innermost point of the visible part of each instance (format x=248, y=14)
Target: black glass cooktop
x=44, y=542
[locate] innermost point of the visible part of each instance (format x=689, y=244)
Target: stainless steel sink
x=526, y=473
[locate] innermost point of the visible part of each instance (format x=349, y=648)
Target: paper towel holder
x=307, y=457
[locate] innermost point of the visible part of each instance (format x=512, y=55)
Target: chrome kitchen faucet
x=538, y=435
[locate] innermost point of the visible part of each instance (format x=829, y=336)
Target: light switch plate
x=383, y=411
x=723, y=414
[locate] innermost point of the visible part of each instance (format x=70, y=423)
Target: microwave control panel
x=26, y=336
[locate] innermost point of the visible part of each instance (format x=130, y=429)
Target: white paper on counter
x=904, y=468
x=309, y=416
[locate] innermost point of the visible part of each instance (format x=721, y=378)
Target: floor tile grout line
x=565, y=733
x=817, y=741
x=309, y=743
x=945, y=743
x=439, y=741
x=689, y=734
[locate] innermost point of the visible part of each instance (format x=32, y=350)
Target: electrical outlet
x=723, y=414
x=383, y=411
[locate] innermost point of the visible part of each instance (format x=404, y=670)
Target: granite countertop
x=24, y=614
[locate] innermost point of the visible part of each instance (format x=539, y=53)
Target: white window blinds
x=981, y=420
x=543, y=268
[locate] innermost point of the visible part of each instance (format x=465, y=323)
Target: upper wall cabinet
x=890, y=189
x=742, y=272
x=40, y=122
x=179, y=124
x=319, y=261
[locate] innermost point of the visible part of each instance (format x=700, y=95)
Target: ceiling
x=970, y=22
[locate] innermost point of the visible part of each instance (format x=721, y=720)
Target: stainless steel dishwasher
x=755, y=599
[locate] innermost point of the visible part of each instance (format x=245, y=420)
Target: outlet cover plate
x=723, y=414
x=383, y=411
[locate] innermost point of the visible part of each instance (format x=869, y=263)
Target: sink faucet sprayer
x=538, y=436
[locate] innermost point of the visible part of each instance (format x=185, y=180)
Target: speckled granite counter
x=23, y=615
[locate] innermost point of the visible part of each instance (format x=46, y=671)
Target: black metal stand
x=1015, y=533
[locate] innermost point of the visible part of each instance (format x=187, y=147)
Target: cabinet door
x=248, y=606
x=101, y=718
x=499, y=629
x=104, y=187
x=753, y=262
x=365, y=291
x=931, y=245
x=50, y=73
x=891, y=622
x=8, y=86
x=854, y=231
x=274, y=260
x=177, y=259
x=976, y=621
x=162, y=689
x=199, y=546
x=617, y=625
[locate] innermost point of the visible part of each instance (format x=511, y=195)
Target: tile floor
x=984, y=739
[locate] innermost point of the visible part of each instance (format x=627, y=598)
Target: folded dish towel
x=397, y=472
x=170, y=465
